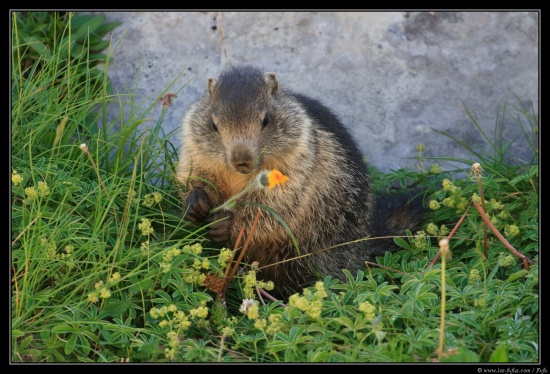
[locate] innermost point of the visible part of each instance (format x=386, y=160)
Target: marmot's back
x=245, y=124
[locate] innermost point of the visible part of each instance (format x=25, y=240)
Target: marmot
x=247, y=123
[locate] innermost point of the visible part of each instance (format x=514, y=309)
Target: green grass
x=91, y=282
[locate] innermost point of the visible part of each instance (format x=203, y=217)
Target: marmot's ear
x=211, y=86
x=272, y=83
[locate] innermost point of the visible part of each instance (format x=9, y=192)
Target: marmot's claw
x=198, y=206
x=220, y=232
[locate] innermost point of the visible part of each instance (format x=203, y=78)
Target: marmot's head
x=242, y=115
x=247, y=123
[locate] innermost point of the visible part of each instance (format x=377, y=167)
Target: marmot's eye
x=265, y=122
x=213, y=125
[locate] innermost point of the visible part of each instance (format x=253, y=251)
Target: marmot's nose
x=242, y=160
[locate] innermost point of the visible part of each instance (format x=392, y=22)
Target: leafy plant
x=105, y=269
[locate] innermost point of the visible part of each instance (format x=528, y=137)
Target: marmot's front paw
x=220, y=232
x=198, y=206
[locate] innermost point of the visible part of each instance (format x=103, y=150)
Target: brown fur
x=246, y=124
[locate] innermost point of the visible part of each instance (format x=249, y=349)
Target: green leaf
x=166, y=279
x=98, y=56
x=71, y=344
x=83, y=27
x=165, y=296
x=345, y=321
x=517, y=275
x=85, y=345
x=493, y=272
x=80, y=19
x=116, y=307
x=178, y=260
x=17, y=333
x=105, y=28
x=197, y=297
x=402, y=243
x=277, y=345
x=499, y=355
x=63, y=328
x=141, y=285
x=100, y=45
x=106, y=335
x=39, y=47
x=25, y=343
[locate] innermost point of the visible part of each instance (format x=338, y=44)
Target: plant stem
x=450, y=235
x=85, y=149
x=225, y=285
x=501, y=238
x=245, y=247
x=444, y=249
x=477, y=171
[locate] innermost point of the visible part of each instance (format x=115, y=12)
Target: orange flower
x=275, y=177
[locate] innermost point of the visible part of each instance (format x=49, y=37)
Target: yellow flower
x=157, y=197
x=199, y=312
x=260, y=323
x=175, y=252
x=275, y=177
x=435, y=168
x=448, y=202
x=275, y=323
x=200, y=279
x=246, y=305
x=196, y=248
x=228, y=331
x=155, y=313
x=224, y=256
x=163, y=323
x=474, y=276
x=16, y=179
x=148, y=200
x=31, y=193
x=253, y=311
x=431, y=229
x=105, y=293
x=480, y=302
x=511, y=230
x=434, y=205
x=93, y=297
x=496, y=205
x=447, y=184
x=368, y=309
x=506, y=261
x=197, y=264
x=151, y=198
x=43, y=189
x=320, y=292
x=144, y=246
x=145, y=227
x=298, y=301
x=420, y=241
x=114, y=277
x=170, y=353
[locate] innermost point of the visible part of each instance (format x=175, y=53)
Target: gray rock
x=392, y=77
